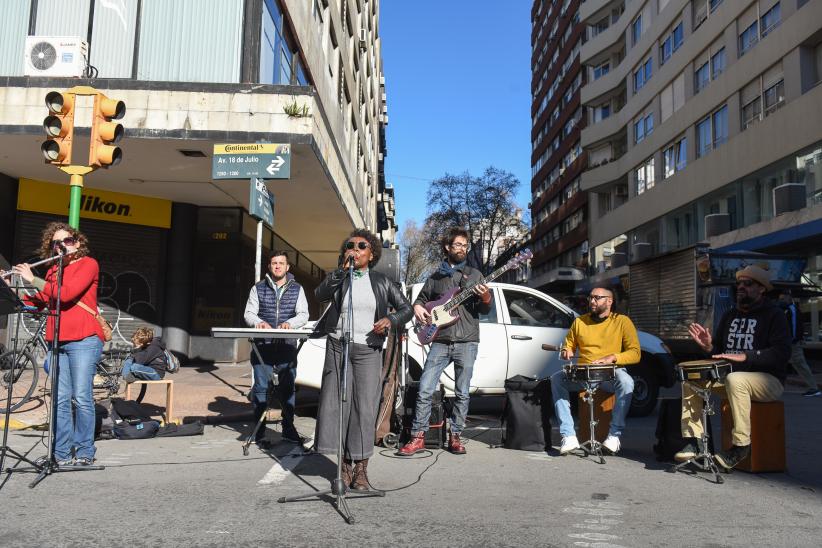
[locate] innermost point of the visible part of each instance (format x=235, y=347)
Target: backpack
x=172, y=363
x=130, y=421
x=527, y=414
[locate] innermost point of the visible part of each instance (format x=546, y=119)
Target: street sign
x=260, y=202
x=249, y=160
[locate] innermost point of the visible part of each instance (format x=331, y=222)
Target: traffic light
x=104, y=132
x=59, y=127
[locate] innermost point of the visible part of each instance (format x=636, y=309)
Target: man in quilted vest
x=276, y=301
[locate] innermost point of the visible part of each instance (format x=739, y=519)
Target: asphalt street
x=202, y=491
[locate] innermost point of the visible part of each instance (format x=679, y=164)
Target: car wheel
x=646, y=390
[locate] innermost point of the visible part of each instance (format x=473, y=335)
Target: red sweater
x=80, y=279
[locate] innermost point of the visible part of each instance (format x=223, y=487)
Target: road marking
x=538, y=456
x=595, y=536
x=283, y=466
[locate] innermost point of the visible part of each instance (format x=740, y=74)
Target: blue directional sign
x=247, y=160
x=261, y=202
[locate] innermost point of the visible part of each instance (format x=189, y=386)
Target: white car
x=511, y=338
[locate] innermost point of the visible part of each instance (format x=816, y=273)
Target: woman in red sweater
x=81, y=338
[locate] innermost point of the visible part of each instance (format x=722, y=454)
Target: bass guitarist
x=456, y=343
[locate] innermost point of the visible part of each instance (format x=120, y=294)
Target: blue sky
x=457, y=77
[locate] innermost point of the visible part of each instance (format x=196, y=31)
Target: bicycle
x=108, y=377
x=20, y=369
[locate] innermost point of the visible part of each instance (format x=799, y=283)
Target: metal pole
x=258, y=253
x=74, y=200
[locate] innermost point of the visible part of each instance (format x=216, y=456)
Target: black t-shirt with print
x=761, y=334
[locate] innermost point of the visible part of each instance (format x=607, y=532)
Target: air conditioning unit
x=55, y=56
x=362, y=39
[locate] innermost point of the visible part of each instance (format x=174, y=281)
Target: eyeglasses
x=70, y=240
x=597, y=298
x=459, y=245
x=745, y=283
x=358, y=245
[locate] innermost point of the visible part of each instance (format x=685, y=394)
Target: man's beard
x=455, y=258
x=744, y=300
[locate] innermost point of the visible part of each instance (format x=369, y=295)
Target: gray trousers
x=363, y=388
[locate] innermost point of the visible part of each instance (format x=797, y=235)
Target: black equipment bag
x=136, y=430
x=191, y=429
x=527, y=414
x=435, y=436
x=669, y=438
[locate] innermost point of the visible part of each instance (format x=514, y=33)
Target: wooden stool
x=767, y=436
x=603, y=405
x=169, y=414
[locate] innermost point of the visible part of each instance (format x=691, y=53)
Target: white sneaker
x=611, y=443
x=569, y=443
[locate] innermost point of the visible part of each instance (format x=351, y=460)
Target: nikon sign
x=250, y=160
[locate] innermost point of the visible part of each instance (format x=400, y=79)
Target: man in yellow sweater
x=601, y=337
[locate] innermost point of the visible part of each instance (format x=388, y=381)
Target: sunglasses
x=745, y=283
x=597, y=298
x=70, y=240
x=358, y=245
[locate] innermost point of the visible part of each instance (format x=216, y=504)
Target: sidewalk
x=212, y=393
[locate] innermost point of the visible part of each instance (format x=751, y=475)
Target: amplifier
x=435, y=437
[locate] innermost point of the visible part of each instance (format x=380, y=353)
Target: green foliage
x=295, y=111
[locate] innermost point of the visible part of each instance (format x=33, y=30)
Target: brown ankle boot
x=347, y=473
x=361, y=476
x=455, y=444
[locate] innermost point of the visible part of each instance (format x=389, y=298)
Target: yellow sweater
x=615, y=335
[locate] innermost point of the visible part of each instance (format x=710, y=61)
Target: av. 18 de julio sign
x=249, y=160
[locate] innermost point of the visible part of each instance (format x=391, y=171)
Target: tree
x=483, y=205
x=416, y=253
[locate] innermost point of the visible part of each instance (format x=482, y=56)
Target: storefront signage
x=103, y=205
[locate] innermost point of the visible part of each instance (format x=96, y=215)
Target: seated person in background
x=754, y=337
x=147, y=361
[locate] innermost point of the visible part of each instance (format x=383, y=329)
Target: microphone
x=62, y=248
x=349, y=259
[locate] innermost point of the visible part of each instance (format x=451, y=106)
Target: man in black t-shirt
x=754, y=337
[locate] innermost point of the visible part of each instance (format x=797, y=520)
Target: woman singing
x=81, y=338
x=373, y=293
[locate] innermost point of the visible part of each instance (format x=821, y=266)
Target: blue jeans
x=622, y=386
x=74, y=429
x=441, y=354
x=285, y=390
x=140, y=371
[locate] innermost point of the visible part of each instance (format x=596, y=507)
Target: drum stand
x=704, y=461
x=591, y=447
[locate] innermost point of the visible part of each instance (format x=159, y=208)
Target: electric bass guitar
x=444, y=311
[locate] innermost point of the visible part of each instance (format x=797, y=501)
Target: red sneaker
x=414, y=446
x=455, y=445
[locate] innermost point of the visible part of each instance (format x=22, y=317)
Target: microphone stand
x=338, y=488
x=47, y=464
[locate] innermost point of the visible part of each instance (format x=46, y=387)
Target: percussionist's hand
x=262, y=325
x=381, y=327
x=610, y=359
x=701, y=336
x=736, y=358
x=566, y=354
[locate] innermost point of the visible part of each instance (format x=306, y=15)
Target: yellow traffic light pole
x=103, y=132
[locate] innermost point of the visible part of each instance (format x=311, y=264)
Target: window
x=770, y=20
x=674, y=158
x=751, y=113
x=703, y=137
x=643, y=127
x=671, y=44
x=642, y=75
x=717, y=63
x=774, y=97
x=720, y=126
x=636, y=30
x=601, y=70
x=279, y=64
x=748, y=38
x=701, y=78
x=644, y=176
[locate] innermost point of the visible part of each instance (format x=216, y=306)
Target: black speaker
x=435, y=436
x=390, y=264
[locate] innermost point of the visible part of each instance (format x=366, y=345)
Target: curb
x=15, y=424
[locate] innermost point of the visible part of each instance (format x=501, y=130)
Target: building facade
x=177, y=248
x=704, y=128
x=559, y=211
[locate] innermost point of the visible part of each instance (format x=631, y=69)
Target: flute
x=5, y=273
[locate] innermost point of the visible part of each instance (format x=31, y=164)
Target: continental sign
x=102, y=205
x=251, y=160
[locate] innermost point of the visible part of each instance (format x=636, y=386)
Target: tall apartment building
x=559, y=211
x=176, y=248
x=703, y=126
